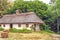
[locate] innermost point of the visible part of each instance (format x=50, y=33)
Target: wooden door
x=11, y=25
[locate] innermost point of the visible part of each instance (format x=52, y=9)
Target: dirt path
x=55, y=37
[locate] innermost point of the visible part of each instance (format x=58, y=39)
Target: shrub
x=26, y=31
x=15, y=30
x=19, y=30
x=47, y=31
x=1, y=29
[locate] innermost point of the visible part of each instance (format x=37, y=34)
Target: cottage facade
x=18, y=20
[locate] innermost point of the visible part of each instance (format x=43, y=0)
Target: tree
x=57, y=5
x=52, y=1
x=3, y=6
x=31, y=6
x=56, y=12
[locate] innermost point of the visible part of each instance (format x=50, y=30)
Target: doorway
x=11, y=25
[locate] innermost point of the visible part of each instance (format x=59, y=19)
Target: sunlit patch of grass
x=28, y=36
x=41, y=35
x=47, y=32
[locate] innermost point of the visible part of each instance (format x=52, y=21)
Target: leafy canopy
x=4, y=5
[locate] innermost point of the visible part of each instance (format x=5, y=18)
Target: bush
x=49, y=31
x=1, y=29
x=46, y=31
x=26, y=31
x=15, y=30
x=19, y=30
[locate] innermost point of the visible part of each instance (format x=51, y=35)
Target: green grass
x=47, y=32
x=27, y=36
x=1, y=29
x=15, y=34
x=20, y=31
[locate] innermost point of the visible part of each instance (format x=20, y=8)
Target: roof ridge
x=27, y=13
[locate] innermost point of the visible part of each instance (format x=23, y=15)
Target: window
x=3, y=25
x=27, y=25
x=19, y=25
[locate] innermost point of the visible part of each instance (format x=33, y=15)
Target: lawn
x=27, y=36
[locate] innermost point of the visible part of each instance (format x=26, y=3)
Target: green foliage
x=47, y=31
x=14, y=30
x=4, y=5
x=31, y=6
x=26, y=31
x=55, y=11
x=1, y=29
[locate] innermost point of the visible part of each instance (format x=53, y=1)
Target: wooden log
x=4, y=34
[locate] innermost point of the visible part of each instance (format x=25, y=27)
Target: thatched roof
x=28, y=17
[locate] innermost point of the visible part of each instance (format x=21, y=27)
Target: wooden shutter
x=19, y=25
x=3, y=25
x=27, y=25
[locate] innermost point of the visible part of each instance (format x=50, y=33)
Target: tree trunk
x=57, y=25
